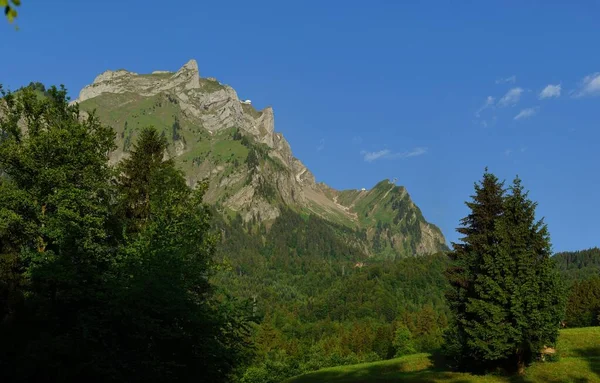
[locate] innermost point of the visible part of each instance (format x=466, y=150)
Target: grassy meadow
x=579, y=362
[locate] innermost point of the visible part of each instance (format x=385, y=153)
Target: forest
x=123, y=273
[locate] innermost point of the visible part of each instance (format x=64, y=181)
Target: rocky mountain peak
x=190, y=66
x=251, y=168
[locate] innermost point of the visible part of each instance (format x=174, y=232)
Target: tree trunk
x=520, y=363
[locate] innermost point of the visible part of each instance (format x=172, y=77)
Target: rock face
x=250, y=167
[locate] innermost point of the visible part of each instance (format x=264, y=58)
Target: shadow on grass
x=583, y=367
x=383, y=373
x=592, y=355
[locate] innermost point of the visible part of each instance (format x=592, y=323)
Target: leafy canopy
x=105, y=272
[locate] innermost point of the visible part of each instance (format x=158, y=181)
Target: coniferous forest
x=121, y=272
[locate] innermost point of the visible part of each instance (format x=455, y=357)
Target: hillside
x=579, y=362
x=579, y=265
x=252, y=172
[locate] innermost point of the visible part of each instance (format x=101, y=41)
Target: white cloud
x=511, y=97
x=489, y=101
x=413, y=153
x=372, y=156
x=510, y=80
x=590, y=86
x=526, y=113
x=550, y=91
x=388, y=154
x=321, y=145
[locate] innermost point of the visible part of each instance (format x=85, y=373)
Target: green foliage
x=583, y=306
x=9, y=8
x=252, y=160
x=403, y=344
x=59, y=172
x=104, y=281
x=144, y=174
x=176, y=134
x=507, y=296
x=578, y=265
x=581, y=272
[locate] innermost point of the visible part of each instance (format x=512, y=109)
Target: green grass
x=224, y=150
x=579, y=363
x=210, y=86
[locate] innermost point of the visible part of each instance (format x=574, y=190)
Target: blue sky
x=428, y=92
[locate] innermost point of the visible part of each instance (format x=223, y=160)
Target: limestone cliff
x=251, y=168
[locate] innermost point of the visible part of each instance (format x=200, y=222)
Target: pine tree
x=479, y=240
x=144, y=174
x=507, y=296
x=535, y=299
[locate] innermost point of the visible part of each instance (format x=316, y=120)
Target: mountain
x=251, y=170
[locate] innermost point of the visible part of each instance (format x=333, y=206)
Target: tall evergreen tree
x=534, y=295
x=478, y=241
x=146, y=172
x=507, y=296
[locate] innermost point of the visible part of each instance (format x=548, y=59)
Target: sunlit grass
x=579, y=363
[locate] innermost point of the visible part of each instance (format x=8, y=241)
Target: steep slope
x=251, y=170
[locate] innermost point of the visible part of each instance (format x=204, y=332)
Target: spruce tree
x=478, y=241
x=507, y=296
x=535, y=296
x=144, y=176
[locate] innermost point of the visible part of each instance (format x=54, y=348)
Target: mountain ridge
x=250, y=167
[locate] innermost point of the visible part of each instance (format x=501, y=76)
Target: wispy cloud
x=372, y=156
x=507, y=152
x=550, y=91
x=321, y=145
x=388, y=154
x=526, y=113
x=507, y=80
x=511, y=97
x=590, y=86
x=489, y=101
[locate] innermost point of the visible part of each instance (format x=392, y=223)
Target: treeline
x=581, y=271
x=578, y=265
x=104, y=272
